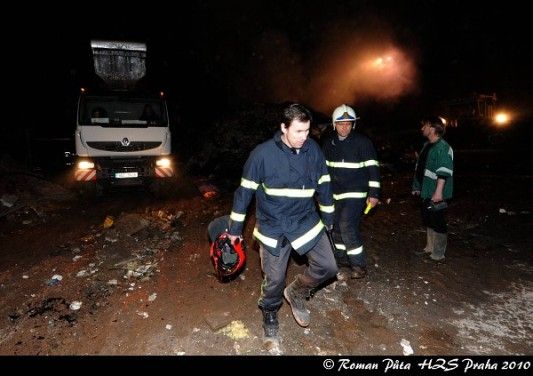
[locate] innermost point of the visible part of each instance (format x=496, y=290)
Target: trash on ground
x=235, y=330
x=108, y=222
x=407, y=349
x=75, y=305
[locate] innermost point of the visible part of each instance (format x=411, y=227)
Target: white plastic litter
x=407, y=349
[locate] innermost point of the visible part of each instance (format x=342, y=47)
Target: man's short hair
x=296, y=111
x=435, y=122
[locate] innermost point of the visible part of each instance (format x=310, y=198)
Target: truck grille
x=117, y=146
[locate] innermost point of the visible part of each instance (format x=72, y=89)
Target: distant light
x=82, y=90
x=378, y=61
x=444, y=121
x=501, y=118
x=162, y=93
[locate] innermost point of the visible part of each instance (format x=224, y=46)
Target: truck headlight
x=85, y=165
x=163, y=162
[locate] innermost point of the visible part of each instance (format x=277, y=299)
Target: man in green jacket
x=433, y=182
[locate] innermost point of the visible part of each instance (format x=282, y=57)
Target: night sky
x=209, y=56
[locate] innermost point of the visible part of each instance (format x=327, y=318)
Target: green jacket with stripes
x=439, y=164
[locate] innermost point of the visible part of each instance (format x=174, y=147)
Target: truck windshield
x=115, y=111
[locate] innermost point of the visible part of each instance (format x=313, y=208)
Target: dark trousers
x=434, y=219
x=348, y=213
x=321, y=267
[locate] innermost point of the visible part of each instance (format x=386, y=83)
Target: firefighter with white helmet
x=344, y=113
x=354, y=170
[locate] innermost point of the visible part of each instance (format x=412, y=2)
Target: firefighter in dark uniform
x=354, y=171
x=285, y=173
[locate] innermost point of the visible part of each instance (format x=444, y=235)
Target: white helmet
x=344, y=113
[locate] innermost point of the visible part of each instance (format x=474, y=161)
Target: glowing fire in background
x=378, y=73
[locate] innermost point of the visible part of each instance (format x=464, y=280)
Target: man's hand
x=437, y=197
x=233, y=238
x=373, y=201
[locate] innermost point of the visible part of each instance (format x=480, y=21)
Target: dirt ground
x=146, y=284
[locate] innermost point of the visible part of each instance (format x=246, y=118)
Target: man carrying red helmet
x=285, y=173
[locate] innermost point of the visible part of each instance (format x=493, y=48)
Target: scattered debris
x=8, y=200
x=235, y=330
x=131, y=223
x=143, y=314
x=208, y=191
x=75, y=305
x=217, y=320
x=407, y=349
x=108, y=222
x=56, y=278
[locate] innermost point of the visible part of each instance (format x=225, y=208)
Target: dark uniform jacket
x=353, y=166
x=285, y=182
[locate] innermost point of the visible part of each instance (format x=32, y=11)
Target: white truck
x=122, y=135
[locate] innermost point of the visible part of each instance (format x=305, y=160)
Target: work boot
x=358, y=272
x=270, y=323
x=441, y=241
x=430, y=244
x=296, y=294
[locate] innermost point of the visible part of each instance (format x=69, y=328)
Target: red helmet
x=228, y=259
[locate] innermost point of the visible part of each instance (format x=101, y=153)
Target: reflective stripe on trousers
x=348, y=215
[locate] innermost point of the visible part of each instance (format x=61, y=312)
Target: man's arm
x=324, y=193
x=370, y=158
x=437, y=195
x=444, y=171
x=251, y=178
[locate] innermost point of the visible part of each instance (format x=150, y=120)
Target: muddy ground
x=142, y=283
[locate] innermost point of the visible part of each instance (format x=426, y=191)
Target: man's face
x=343, y=128
x=426, y=130
x=295, y=135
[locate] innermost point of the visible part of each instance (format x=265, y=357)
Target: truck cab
x=122, y=134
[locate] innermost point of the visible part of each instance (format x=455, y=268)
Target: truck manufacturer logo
x=125, y=142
